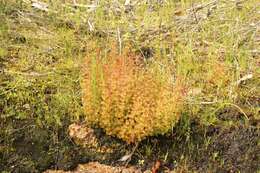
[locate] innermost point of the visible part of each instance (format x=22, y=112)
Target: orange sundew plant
x=127, y=100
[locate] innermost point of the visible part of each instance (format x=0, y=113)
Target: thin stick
x=119, y=40
x=131, y=154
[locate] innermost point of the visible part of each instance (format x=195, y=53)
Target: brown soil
x=27, y=147
x=95, y=167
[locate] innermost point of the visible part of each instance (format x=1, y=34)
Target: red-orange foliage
x=127, y=100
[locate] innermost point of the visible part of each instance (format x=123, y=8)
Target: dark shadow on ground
x=26, y=147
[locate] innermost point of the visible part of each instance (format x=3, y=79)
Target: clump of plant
x=130, y=99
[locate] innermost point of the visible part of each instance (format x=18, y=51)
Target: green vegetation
x=212, y=45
